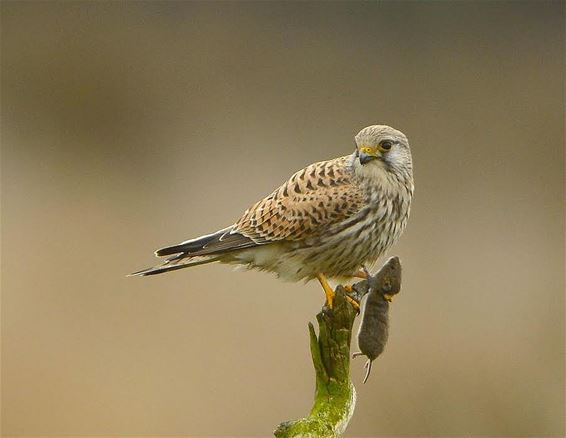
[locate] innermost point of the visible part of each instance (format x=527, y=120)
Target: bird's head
x=382, y=146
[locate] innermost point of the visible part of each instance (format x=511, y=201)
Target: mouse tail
x=368, y=370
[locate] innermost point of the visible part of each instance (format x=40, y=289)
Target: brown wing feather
x=313, y=199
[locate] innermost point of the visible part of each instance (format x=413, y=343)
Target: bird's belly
x=340, y=255
x=337, y=254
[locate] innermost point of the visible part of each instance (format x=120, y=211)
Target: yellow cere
x=368, y=150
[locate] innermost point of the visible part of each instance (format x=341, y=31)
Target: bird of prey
x=328, y=221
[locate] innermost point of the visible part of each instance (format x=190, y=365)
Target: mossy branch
x=335, y=395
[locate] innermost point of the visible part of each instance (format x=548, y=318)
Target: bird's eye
x=385, y=145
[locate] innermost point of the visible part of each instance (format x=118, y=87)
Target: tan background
x=126, y=126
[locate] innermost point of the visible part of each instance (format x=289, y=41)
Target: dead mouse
x=374, y=328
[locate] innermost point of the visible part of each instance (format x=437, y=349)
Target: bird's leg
x=327, y=289
x=354, y=303
x=362, y=273
x=348, y=288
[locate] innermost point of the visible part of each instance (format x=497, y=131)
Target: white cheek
x=395, y=156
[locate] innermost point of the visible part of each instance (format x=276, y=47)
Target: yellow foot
x=362, y=273
x=354, y=303
x=327, y=289
x=348, y=288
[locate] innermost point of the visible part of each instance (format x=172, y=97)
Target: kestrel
x=329, y=220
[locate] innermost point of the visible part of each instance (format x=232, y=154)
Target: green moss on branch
x=335, y=396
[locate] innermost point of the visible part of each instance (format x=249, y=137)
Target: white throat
x=379, y=176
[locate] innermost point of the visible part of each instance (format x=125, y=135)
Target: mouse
x=374, y=328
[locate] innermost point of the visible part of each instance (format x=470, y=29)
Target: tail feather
x=205, y=249
x=178, y=262
x=225, y=240
x=192, y=245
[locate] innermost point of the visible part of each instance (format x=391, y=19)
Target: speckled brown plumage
x=307, y=205
x=330, y=218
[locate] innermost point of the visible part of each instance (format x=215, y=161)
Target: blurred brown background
x=130, y=125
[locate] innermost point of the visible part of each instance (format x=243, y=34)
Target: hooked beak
x=366, y=154
x=364, y=158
